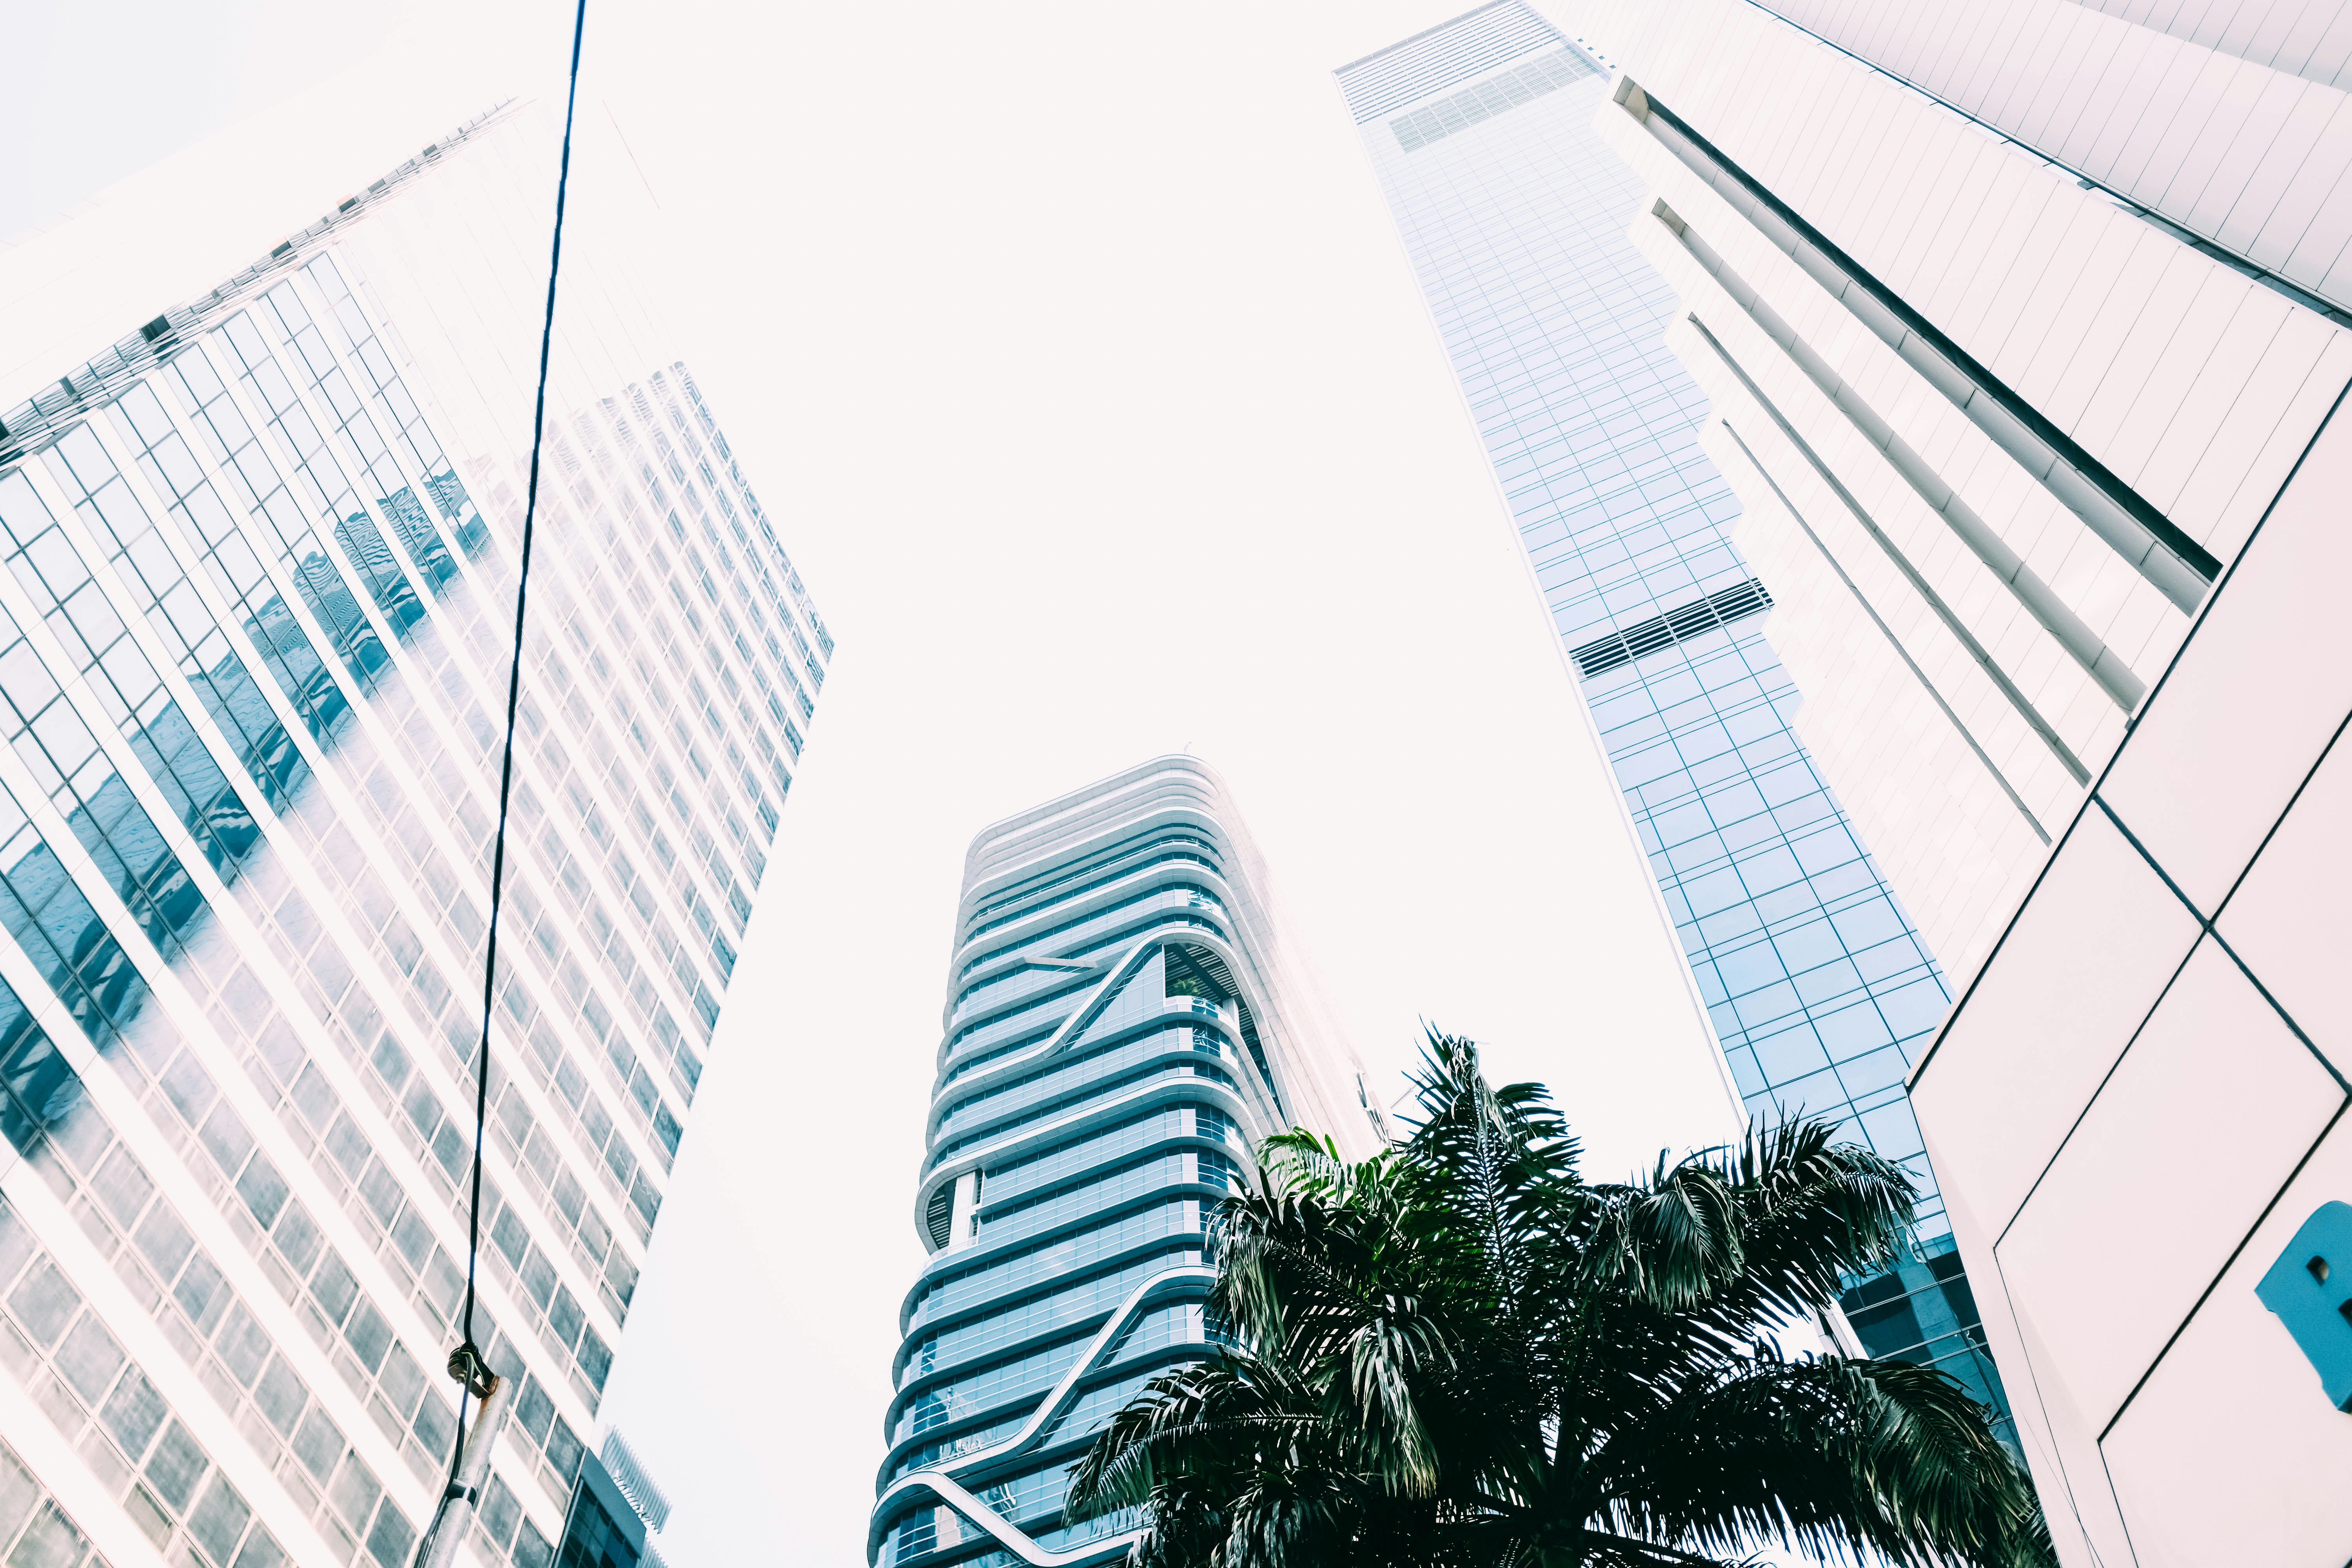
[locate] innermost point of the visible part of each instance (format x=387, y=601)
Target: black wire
x=514, y=682
x=466, y=1364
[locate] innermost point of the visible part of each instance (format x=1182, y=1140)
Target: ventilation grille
x=939, y=1218
x=634, y=1484
x=1735, y=602
x=1521, y=84
x=1469, y=46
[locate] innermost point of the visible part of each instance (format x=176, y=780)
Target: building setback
x=2023, y=328
x=1514, y=213
x=254, y=638
x=1122, y=1025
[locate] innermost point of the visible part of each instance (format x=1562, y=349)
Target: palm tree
x=1460, y=1354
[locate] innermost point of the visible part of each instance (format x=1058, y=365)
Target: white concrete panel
x=2097, y=93
x=2035, y=302
x=2211, y=184
x=2331, y=56
x=2331, y=229
x=2259, y=31
x=2290, y=920
x=1988, y=252
x=2256, y=195
x=2101, y=243
x=2232, y=1454
x=2157, y=80
x=1968, y=193
x=2141, y=349
x=2146, y=257
x=2183, y=108
x=2256, y=320
x=2222, y=93
x=1912, y=162
x=2075, y=1432
x=2259, y=485
x=2262, y=684
x=2266, y=426
x=2305, y=47
x=2005, y=67
x=2308, y=210
x=2077, y=47
x=2062, y=1458
x=2058, y=1002
x=2180, y=346
x=2105, y=1268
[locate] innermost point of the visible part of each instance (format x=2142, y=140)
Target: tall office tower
x=2024, y=327
x=253, y=641
x=1514, y=214
x=1122, y=1025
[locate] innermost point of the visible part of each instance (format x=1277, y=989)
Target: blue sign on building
x=2310, y=1289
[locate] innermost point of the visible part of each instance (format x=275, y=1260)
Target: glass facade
x=254, y=635
x=599, y=1534
x=1116, y=1040
x=1513, y=213
x=616, y=1512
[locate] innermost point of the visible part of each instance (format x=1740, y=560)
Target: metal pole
x=454, y=1519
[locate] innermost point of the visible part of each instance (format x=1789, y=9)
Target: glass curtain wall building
x=254, y=638
x=1514, y=216
x=1121, y=1027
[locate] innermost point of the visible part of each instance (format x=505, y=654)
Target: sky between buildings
x=1073, y=351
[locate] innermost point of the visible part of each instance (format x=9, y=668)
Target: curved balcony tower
x=1120, y=1029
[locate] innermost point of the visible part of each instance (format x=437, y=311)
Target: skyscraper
x=1513, y=213
x=254, y=640
x=2025, y=327
x=1122, y=1025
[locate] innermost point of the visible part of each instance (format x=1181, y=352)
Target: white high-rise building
x=1998, y=425
x=2022, y=328
x=253, y=641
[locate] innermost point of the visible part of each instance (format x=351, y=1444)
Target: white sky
x=1073, y=349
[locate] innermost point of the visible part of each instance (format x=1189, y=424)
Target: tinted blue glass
x=601, y=1532
x=1098, y=1056
x=1514, y=213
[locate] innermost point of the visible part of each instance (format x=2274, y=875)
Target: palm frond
x=1389, y=1354
x=1460, y=1354
x=1830, y=1456
x=1189, y=1422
